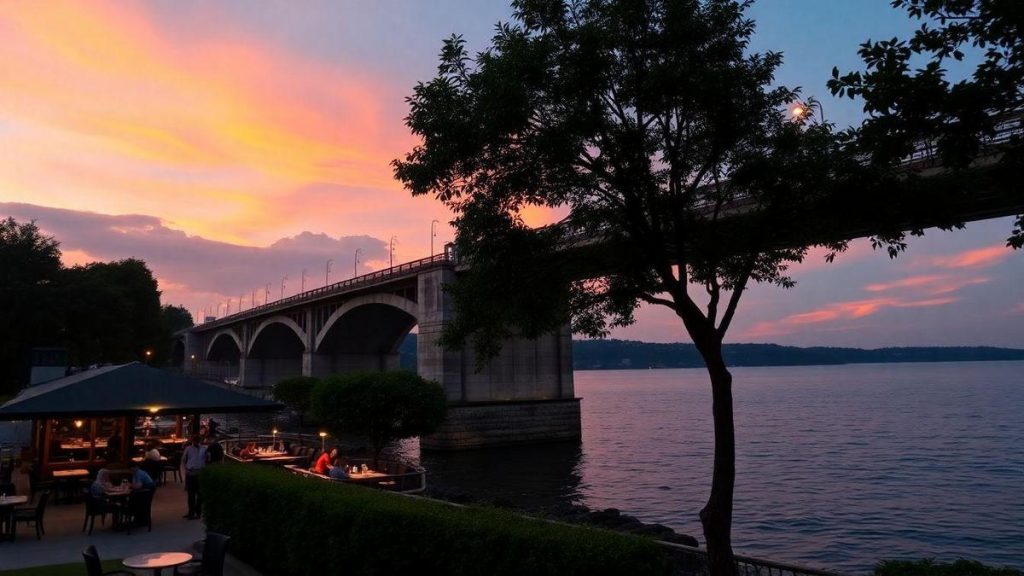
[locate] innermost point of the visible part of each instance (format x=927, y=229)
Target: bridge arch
x=380, y=301
x=220, y=348
x=269, y=324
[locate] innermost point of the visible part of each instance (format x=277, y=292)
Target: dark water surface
x=837, y=466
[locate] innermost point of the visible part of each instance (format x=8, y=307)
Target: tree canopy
x=383, y=406
x=297, y=393
x=667, y=143
x=101, y=312
x=907, y=103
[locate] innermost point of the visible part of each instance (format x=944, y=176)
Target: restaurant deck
x=64, y=539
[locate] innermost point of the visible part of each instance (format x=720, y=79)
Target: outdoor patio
x=64, y=539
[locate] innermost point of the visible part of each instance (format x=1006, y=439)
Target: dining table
x=157, y=561
x=7, y=524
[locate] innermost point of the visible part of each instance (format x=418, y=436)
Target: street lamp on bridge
x=303, y=288
x=282, y=286
x=266, y=295
x=327, y=273
x=355, y=263
x=391, y=254
x=433, y=234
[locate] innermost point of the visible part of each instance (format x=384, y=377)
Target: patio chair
x=98, y=507
x=173, y=465
x=215, y=547
x=93, y=566
x=139, y=510
x=34, y=514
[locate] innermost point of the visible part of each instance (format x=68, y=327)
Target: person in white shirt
x=193, y=459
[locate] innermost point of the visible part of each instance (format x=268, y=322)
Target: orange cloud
x=976, y=258
x=103, y=110
x=931, y=284
x=911, y=282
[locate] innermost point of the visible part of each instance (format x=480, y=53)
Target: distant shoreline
x=634, y=355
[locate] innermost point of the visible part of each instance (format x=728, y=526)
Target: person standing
x=193, y=459
x=214, y=449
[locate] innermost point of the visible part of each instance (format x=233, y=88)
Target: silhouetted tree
x=909, y=102
x=113, y=313
x=659, y=132
x=383, y=406
x=296, y=392
x=29, y=271
x=176, y=318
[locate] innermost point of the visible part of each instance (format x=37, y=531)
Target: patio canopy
x=125, y=390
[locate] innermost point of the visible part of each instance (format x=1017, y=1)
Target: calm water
x=837, y=466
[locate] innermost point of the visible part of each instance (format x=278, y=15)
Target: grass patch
x=73, y=569
x=929, y=567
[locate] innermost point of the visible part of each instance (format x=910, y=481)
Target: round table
x=157, y=561
x=7, y=524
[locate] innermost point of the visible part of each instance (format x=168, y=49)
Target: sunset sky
x=231, y=144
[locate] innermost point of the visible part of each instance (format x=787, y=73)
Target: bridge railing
x=373, y=278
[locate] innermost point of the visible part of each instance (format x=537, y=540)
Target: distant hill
x=626, y=354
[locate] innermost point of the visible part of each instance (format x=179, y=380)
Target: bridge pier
x=524, y=395
x=265, y=372
x=321, y=365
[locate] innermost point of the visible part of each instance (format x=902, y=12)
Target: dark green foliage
x=101, y=312
x=30, y=271
x=176, y=318
x=929, y=567
x=285, y=525
x=382, y=406
x=296, y=392
x=113, y=313
x=908, y=102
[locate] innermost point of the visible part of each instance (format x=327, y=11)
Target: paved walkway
x=64, y=539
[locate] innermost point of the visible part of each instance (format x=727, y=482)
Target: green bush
x=296, y=392
x=287, y=525
x=928, y=567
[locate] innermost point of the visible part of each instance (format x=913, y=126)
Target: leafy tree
x=658, y=131
x=29, y=270
x=908, y=103
x=176, y=318
x=296, y=392
x=383, y=406
x=113, y=313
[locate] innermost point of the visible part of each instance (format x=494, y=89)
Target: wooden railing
x=694, y=562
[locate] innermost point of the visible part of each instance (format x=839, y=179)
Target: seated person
x=323, y=463
x=248, y=452
x=101, y=483
x=152, y=452
x=337, y=471
x=141, y=479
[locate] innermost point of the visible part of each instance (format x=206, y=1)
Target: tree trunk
x=716, y=517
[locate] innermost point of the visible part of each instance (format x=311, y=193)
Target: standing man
x=192, y=462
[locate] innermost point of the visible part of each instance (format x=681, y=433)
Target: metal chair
x=173, y=465
x=34, y=514
x=93, y=566
x=98, y=507
x=139, y=510
x=215, y=547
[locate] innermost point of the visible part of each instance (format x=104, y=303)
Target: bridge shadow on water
x=530, y=477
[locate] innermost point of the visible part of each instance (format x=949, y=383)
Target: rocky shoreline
x=608, y=519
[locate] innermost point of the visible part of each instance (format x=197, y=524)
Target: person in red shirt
x=323, y=463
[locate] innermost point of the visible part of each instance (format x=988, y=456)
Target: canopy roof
x=128, y=389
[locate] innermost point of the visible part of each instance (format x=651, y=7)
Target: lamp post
x=327, y=273
x=391, y=254
x=801, y=109
x=355, y=263
x=303, y=289
x=323, y=436
x=252, y=299
x=273, y=439
x=282, y=286
x=433, y=234
x=266, y=295
x=149, y=354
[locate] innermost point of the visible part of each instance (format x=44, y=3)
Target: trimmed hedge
x=287, y=525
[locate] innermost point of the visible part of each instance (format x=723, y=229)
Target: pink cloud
x=976, y=258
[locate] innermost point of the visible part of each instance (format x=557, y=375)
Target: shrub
x=296, y=393
x=286, y=525
x=929, y=567
x=383, y=406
